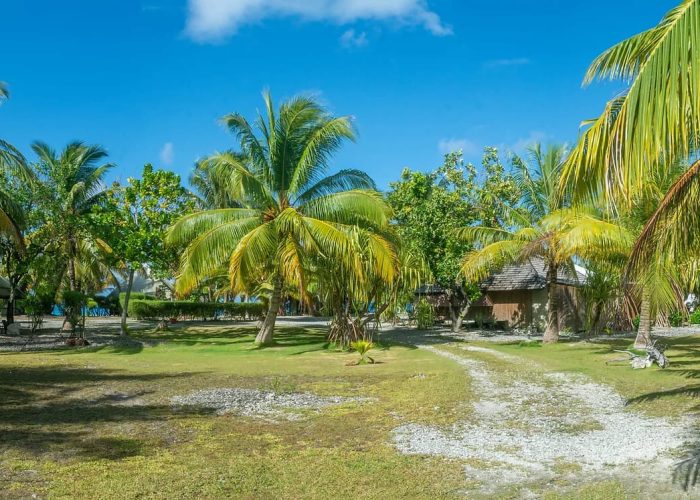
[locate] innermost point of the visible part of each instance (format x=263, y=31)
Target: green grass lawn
x=64, y=434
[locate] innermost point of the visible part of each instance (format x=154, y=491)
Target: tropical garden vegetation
x=273, y=221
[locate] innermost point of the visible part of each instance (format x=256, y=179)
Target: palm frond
x=479, y=264
x=658, y=120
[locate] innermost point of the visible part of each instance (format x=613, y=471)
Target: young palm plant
x=289, y=209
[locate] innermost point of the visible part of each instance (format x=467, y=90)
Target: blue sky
x=149, y=79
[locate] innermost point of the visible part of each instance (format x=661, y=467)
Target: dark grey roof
x=530, y=275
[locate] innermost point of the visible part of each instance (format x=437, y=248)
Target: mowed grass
x=98, y=423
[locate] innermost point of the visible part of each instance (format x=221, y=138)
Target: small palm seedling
x=362, y=347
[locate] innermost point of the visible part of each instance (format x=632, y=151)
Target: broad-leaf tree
x=134, y=220
x=290, y=209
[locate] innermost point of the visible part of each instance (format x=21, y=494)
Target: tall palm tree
x=538, y=218
x=74, y=180
x=649, y=128
x=289, y=208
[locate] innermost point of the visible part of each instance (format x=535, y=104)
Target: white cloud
x=351, y=39
x=451, y=145
x=211, y=20
x=501, y=63
x=523, y=143
x=167, y=153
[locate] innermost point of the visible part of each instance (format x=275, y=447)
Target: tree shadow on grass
x=42, y=412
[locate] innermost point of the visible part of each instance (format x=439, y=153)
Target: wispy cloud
x=503, y=63
x=454, y=144
x=167, y=154
x=523, y=143
x=351, y=39
x=214, y=20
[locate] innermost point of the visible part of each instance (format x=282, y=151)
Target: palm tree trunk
x=125, y=307
x=72, y=282
x=551, y=335
x=644, y=330
x=71, y=275
x=268, y=327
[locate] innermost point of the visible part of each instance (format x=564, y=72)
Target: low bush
x=694, y=317
x=425, y=315
x=182, y=309
x=675, y=318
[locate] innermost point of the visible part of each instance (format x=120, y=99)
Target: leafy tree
x=431, y=208
x=134, y=220
x=290, y=210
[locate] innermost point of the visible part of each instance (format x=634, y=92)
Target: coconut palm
x=652, y=124
x=289, y=209
x=74, y=181
x=210, y=190
x=538, y=219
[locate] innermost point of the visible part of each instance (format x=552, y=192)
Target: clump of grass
x=278, y=385
x=362, y=347
x=529, y=343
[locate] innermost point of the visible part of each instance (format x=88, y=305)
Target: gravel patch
x=524, y=429
x=259, y=404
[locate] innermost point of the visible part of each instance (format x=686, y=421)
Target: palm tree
x=538, y=218
x=655, y=122
x=210, y=190
x=289, y=210
x=74, y=180
x=4, y=93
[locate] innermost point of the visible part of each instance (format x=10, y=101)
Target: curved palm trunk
x=644, y=330
x=551, y=335
x=268, y=327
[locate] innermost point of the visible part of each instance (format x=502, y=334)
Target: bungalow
x=516, y=296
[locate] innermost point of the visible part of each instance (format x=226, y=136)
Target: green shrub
x=635, y=322
x=134, y=296
x=694, y=317
x=425, y=315
x=73, y=303
x=182, y=309
x=675, y=318
x=34, y=308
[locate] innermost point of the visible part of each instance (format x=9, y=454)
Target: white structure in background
x=144, y=282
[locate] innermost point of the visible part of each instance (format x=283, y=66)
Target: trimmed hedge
x=182, y=309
